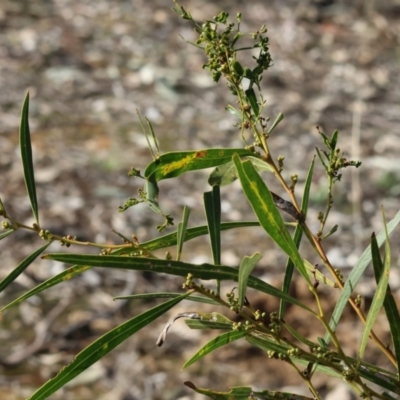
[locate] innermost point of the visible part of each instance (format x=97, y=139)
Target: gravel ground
x=89, y=65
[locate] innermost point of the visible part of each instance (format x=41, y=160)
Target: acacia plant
x=220, y=40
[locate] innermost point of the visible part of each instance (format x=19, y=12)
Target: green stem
x=65, y=240
x=328, y=207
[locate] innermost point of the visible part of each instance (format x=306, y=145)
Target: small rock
x=341, y=392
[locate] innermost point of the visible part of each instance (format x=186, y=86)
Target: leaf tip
x=190, y=385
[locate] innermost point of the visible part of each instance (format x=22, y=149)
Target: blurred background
x=89, y=66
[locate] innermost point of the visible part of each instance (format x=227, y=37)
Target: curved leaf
x=170, y=267
x=101, y=347
x=15, y=273
x=215, y=344
x=173, y=164
x=26, y=154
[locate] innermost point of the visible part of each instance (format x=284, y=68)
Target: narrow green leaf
x=15, y=273
x=321, y=159
x=170, y=267
x=246, y=393
x=212, y=320
x=153, y=135
x=182, y=226
x=381, y=380
x=333, y=141
x=214, y=344
x=245, y=269
x=298, y=233
x=252, y=99
x=55, y=280
x=325, y=139
x=198, y=324
x=101, y=347
x=278, y=119
x=373, y=368
x=26, y=154
x=261, y=201
x=6, y=233
x=191, y=233
x=331, y=232
x=355, y=275
x=379, y=296
x=389, y=304
x=212, y=205
x=167, y=295
x=146, y=135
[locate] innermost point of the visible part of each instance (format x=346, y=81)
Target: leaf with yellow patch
x=263, y=205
